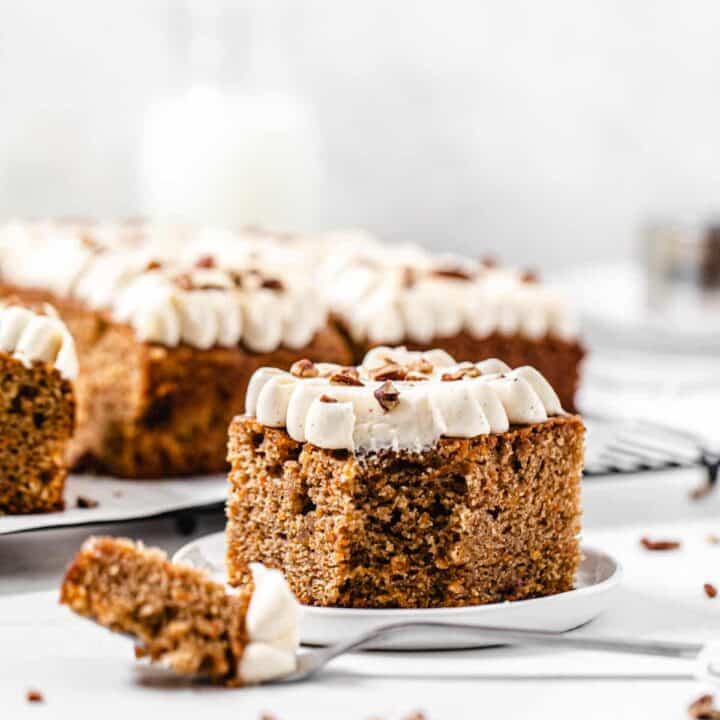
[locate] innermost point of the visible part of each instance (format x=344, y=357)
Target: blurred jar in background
x=235, y=145
x=683, y=272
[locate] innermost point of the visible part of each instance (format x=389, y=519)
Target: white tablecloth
x=85, y=672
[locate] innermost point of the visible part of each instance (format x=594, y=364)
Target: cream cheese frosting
x=272, y=627
x=387, y=294
x=32, y=337
x=399, y=400
x=172, y=286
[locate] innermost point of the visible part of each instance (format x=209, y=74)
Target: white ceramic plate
x=598, y=576
x=122, y=500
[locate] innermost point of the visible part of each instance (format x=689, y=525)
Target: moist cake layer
x=37, y=407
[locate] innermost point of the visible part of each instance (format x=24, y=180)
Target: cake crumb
x=710, y=590
x=704, y=709
x=701, y=491
x=34, y=696
x=86, y=503
x=660, y=545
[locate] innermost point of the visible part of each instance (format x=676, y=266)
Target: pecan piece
x=346, y=376
x=184, y=282
x=34, y=696
x=304, y=369
x=421, y=365
x=456, y=273
x=391, y=371
x=470, y=372
x=388, y=396
x=327, y=399
x=407, y=277
x=205, y=261
x=704, y=709
x=153, y=265
x=659, y=545
x=272, y=284
x=710, y=590
x=86, y=503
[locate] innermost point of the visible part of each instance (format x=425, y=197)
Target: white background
x=547, y=131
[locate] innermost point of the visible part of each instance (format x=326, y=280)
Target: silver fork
x=311, y=662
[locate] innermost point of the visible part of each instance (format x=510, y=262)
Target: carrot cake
x=37, y=407
x=401, y=294
x=409, y=481
x=181, y=618
x=167, y=333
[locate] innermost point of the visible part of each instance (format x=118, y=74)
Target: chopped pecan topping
x=710, y=590
x=457, y=273
x=407, y=277
x=470, y=372
x=205, y=261
x=346, y=376
x=704, y=709
x=86, y=503
x=391, y=371
x=304, y=369
x=153, y=265
x=660, y=545
x=421, y=365
x=34, y=696
x=272, y=284
x=388, y=396
x=530, y=277
x=327, y=399
x=416, y=377
x=91, y=243
x=184, y=281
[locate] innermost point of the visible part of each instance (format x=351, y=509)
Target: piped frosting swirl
x=172, y=285
x=271, y=622
x=399, y=400
x=387, y=294
x=34, y=337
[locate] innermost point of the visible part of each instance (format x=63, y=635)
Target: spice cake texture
x=180, y=617
x=410, y=481
x=405, y=295
x=169, y=330
x=37, y=408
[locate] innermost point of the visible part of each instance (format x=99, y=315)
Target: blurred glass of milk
x=234, y=146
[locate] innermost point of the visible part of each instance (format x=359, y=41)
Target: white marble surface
x=84, y=671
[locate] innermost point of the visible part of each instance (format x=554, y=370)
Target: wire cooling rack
x=629, y=446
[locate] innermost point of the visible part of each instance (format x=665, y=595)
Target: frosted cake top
x=391, y=293
x=32, y=337
x=172, y=285
x=398, y=400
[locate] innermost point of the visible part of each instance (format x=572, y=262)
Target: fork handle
x=514, y=636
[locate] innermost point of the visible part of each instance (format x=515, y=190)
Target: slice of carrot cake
x=391, y=295
x=168, y=334
x=181, y=618
x=410, y=481
x=37, y=408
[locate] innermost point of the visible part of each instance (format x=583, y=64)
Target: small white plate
x=121, y=500
x=598, y=576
